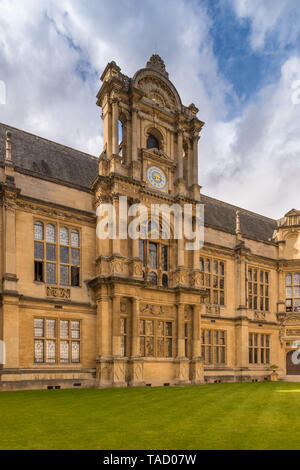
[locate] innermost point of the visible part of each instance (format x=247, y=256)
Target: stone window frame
x=168, y=341
x=58, y=339
x=125, y=335
x=290, y=299
x=208, y=277
x=258, y=288
x=57, y=261
x=212, y=348
x=161, y=270
x=259, y=348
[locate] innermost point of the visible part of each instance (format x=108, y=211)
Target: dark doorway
x=291, y=368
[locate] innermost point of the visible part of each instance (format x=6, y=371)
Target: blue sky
x=237, y=60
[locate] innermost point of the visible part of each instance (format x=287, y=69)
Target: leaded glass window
x=292, y=292
x=156, y=338
x=212, y=277
x=51, y=273
x=47, y=339
x=75, y=238
x=213, y=346
x=50, y=233
x=64, y=236
x=258, y=289
x=38, y=231
x=64, y=275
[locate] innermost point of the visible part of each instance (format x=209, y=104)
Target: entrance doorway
x=291, y=367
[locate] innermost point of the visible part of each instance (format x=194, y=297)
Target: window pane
x=149, y=327
x=38, y=271
x=165, y=280
x=64, y=236
x=75, y=257
x=38, y=250
x=75, y=329
x=75, y=276
x=164, y=257
x=38, y=231
x=288, y=292
x=75, y=351
x=153, y=255
x=160, y=328
x=50, y=351
x=75, y=238
x=297, y=305
x=64, y=275
x=38, y=327
x=64, y=352
x=288, y=279
x=50, y=328
x=64, y=254
x=297, y=291
x=169, y=347
x=153, y=278
x=201, y=264
x=207, y=265
x=168, y=328
x=51, y=273
x=149, y=346
x=50, y=233
x=142, y=327
x=50, y=252
x=64, y=329
x=141, y=251
x=222, y=268
x=38, y=351
x=297, y=278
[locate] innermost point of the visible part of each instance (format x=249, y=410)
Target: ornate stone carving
x=58, y=292
x=213, y=309
x=259, y=315
x=159, y=310
x=293, y=332
x=155, y=62
x=153, y=85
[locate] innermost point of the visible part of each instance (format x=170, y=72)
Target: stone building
x=81, y=311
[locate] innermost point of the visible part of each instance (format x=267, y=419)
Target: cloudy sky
x=237, y=60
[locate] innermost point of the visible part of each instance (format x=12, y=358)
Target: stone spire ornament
x=156, y=63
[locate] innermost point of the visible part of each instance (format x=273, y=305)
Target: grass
x=222, y=416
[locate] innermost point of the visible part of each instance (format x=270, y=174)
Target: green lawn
x=223, y=416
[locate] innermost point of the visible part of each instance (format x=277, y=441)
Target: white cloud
x=269, y=16
x=52, y=55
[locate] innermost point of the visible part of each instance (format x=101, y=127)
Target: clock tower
x=150, y=156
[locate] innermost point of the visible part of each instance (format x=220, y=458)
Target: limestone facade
x=80, y=311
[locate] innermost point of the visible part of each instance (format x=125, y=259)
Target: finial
x=156, y=63
x=8, y=146
x=237, y=223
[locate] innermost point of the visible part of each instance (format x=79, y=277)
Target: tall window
x=258, y=289
x=292, y=292
x=259, y=348
x=56, y=341
x=156, y=338
x=213, y=346
x=124, y=336
x=154, y=256
x=56, y=258
x=213, y=279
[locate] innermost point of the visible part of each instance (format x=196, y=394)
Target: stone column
x=197, y=369
x=134, y=134
x=195, y=160
x=136, y=362
x=179, y=154
x=116, y=241
x=128, y=138
x=118, y=362
x=115, y=126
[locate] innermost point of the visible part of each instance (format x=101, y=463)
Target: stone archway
x=291, y=367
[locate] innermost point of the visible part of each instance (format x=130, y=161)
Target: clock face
x=156, y=177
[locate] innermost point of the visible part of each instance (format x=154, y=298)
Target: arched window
x=152, y=142
x=153, y=278
x=39, y=231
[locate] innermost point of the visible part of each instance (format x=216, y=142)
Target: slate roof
x=56, y=162
x=49, y=159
